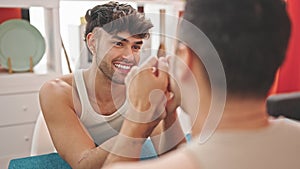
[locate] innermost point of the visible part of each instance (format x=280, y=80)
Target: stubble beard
x=111, y=74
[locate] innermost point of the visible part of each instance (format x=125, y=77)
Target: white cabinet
x=19, y=109
x=19, y=103
x=15, y=142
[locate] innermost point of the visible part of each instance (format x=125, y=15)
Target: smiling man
x=84, y=109
x=124, y=53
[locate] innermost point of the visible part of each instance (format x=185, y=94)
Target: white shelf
x=30, y=3
x=23, y=82
x=19, y=91
x=52, y=27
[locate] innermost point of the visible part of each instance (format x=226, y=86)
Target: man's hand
x=168, y=135
x=146, y=95
x=146, y=100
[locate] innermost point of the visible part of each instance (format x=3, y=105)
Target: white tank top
x=274, y=147
x=100, y=127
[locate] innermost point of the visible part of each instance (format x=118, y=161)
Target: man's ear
x=90, y=40
x=186, y=56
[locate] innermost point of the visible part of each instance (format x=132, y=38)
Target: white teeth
x=122, y=66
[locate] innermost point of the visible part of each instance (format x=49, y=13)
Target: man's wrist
x=135, y=130
x=170, y=120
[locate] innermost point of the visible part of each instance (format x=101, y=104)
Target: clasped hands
x=147, y=97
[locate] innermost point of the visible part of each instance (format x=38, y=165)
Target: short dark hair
x=250, y=36
x=125, y=18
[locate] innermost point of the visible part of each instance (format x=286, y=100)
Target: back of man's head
x=250, y=36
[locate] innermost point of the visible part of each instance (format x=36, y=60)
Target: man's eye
x=118, y=43
x=135, y=47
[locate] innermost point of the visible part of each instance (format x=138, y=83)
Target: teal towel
x=45, y=161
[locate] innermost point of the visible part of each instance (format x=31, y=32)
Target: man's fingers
x=163, y=68
x=152, y=62
x=131, y=74
x=163, y=64
x=169, y=95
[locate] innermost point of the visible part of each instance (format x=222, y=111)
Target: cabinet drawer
x=18, y=108
x=15, y=141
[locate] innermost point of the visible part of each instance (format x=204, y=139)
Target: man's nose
x=128, y=53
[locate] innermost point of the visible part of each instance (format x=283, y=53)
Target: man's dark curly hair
x=124, y=17
x=250, y=36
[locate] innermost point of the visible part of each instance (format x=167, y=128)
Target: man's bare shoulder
x=59, y=89
x=58, y=84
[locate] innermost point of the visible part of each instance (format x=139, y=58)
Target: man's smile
x=123, y=67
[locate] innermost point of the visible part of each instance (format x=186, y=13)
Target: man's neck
x=102, y=92
x=244, y=113
x=239, y=114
